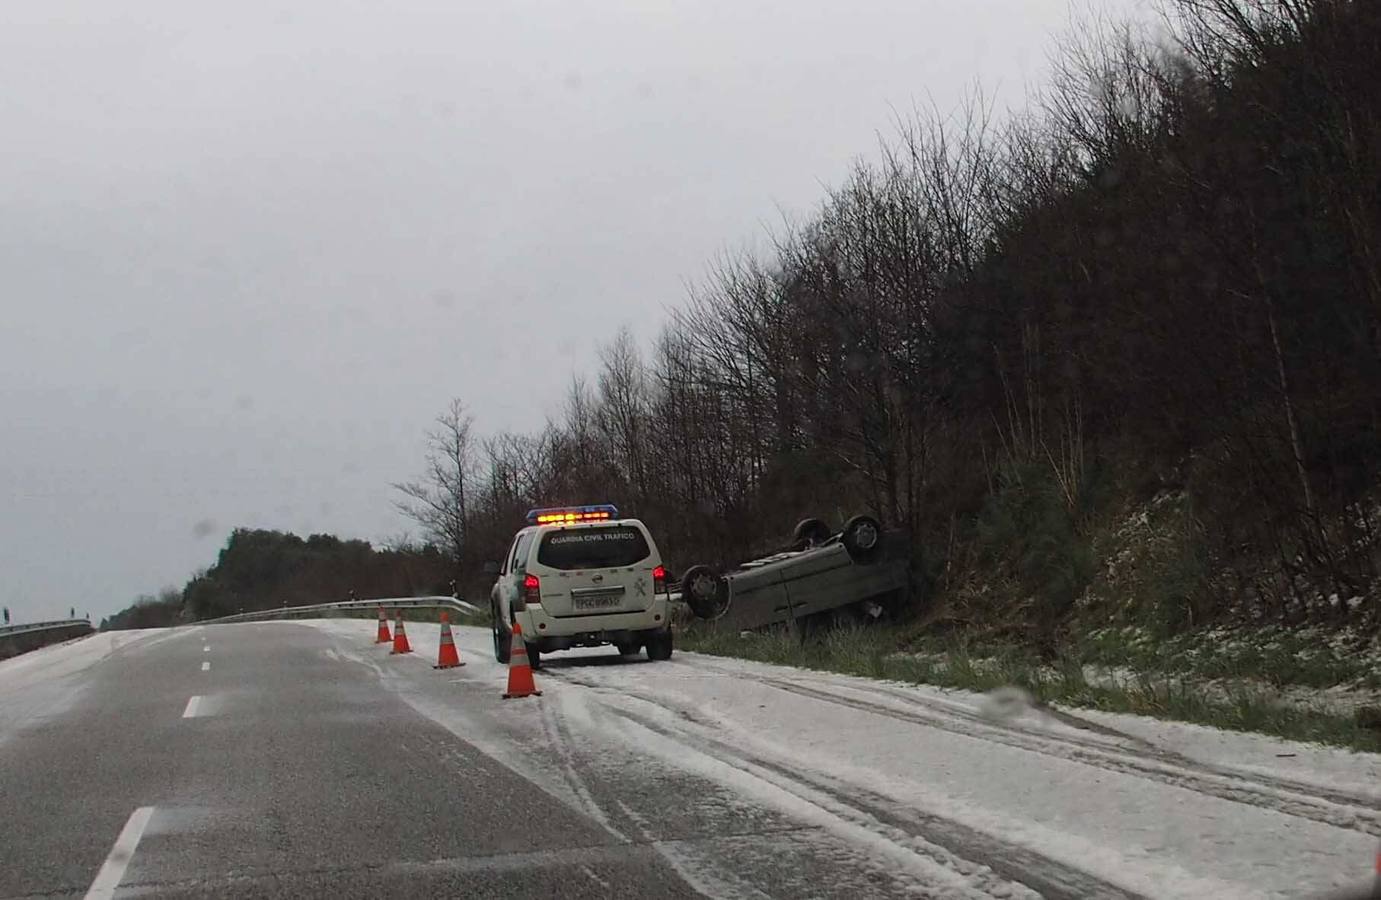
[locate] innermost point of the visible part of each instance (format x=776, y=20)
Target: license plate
x=597, y=602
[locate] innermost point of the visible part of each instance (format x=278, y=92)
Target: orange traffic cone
x=400, y=637
x=384, y=637
x=520, y=683
x=447, y=657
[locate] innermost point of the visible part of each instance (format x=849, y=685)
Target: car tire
x=628, y=649
x=534, y=656
x=704, y=592
x=502, y=641
x=810, y=531
x=659, y=647
x=862, y=537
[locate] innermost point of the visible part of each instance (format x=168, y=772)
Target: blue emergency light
x=570, y=515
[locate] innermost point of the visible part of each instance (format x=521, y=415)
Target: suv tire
x=502, y=640
x=659, y=646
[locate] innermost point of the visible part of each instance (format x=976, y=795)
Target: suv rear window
x=593, y=548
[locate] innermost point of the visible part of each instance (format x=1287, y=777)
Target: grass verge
x=872, y=653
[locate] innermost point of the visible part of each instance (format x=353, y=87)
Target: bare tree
x=623, y=407
x=439, y=501
x=1167, y=271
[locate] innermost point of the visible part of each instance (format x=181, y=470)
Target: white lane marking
x=206, y=666
x=191, y=709
x=205, y=648
x=113, y=869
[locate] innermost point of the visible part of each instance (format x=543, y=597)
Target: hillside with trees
x=260, y=569
x=1115, y=358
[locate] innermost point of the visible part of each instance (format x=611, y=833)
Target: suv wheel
x=534, y=656
x=502, y=642
x=628, y=649
x=659, y=646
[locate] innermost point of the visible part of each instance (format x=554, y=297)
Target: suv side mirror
x=491, y=568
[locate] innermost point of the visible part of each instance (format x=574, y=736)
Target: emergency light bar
x=571, y=515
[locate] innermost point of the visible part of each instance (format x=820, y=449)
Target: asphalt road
x=301, y=760
x=300, y=773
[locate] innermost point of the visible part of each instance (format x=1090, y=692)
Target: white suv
x=581, y=577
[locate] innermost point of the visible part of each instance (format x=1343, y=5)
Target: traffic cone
x=447, y=657
x=384, y=637
x=400, y=637
x=520, y=683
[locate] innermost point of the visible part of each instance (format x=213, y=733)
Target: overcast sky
x=249, y=250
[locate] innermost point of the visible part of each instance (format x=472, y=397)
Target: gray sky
x=249, y=250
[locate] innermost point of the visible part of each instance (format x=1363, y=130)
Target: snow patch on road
x=1154, y=837
x=930, y=864
x=497, y=737
x=1326, y=767
x=46, y=682
x=1157, y=809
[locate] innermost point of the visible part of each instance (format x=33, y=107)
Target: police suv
x=581, y=577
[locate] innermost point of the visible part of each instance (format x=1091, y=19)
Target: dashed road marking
x=192, y=706
x=113, y=869
x=205, y=648
x=206, y=666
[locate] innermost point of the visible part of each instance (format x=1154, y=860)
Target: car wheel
x=628, y=649
x=534, y=656
x=704, y=592
x=862, y=537
x=502, y=642
x=810, y=531
x=659, y=647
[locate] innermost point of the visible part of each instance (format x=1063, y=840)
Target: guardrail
x=17, y=639
x=388, y=603
x=12, y=630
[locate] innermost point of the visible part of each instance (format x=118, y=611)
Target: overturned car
x=820, y=571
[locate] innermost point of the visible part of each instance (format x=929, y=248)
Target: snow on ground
x=1328, y=768
x=45, y=682
x=923, y=777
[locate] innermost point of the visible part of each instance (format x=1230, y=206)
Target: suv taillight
x=659, y=580
x=532, y=589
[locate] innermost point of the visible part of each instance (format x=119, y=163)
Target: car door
x=506, y=588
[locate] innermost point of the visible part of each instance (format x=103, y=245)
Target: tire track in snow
x=1329, y=806
x=935, y=713
x=1335, y=808
x=559, y=739
x=1148, y=748
x=936, y=841
x=705, y=880
x=967, y=851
